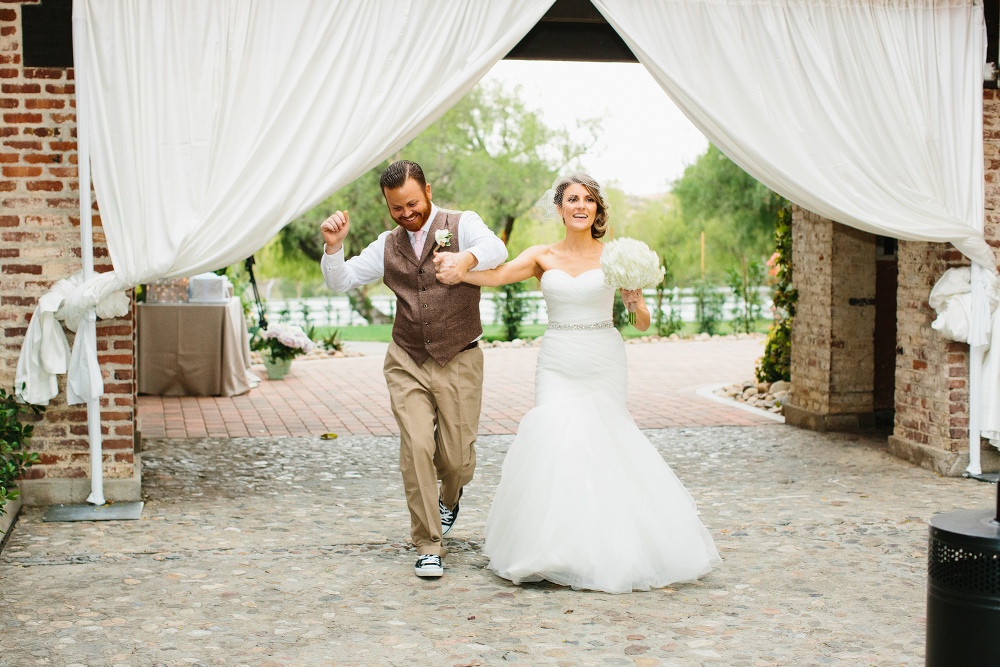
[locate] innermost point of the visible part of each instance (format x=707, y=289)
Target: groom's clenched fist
x=335, y=230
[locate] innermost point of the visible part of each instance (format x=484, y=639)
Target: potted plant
x=279, y=344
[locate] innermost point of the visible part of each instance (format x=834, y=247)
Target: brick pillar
x=40, y=244
x=932, y=372
x=833, y=329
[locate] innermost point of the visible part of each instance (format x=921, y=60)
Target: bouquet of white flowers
x=629, y=264
x=285, y=341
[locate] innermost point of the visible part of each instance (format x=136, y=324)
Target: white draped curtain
x=867, y=112
x=214, y=124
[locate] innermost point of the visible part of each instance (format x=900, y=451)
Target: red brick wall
x=991, y=156
x=40, y=244
x=832, y=340
x=932, y=372
x=812, y=257
x=852, y=347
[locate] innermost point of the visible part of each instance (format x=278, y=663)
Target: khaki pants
x=437, y=410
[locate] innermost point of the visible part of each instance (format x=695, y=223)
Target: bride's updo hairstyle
x=600, y=226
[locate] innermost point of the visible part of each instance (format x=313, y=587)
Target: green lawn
x=383, y=332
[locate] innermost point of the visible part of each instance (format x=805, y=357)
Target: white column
x=978, y=344
x=976, y=354
x=96, y=496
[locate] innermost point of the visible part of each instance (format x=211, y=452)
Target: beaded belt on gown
x=609, y=324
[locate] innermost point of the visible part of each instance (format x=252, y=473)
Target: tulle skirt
x=584, y=499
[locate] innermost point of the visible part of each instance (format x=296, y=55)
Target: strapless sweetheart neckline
x=570, y=274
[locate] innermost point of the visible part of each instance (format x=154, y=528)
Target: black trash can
x=963, y=590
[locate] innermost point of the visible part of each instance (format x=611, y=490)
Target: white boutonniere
x=442, y=238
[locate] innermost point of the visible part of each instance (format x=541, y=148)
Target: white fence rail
x=335, y=311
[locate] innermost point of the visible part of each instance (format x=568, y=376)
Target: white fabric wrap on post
x=214, y=124
x=867, y=112
x=45, y=352
x=952, y=298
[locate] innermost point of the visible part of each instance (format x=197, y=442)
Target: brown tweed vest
x=432, y=319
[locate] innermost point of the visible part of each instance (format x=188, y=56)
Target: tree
x=657, y=221
x=491, y=154
x=737, y=212
x=488, y=153
x=300, y=242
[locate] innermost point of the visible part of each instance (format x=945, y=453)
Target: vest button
x=428, y=340
x=427, y=324
x=425, y=305
x=420, y=271
x=423, y=289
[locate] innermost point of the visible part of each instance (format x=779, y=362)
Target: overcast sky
x=646, y=142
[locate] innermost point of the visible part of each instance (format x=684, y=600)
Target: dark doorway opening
x=886, y=281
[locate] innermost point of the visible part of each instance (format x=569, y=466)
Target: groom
x=434, y=367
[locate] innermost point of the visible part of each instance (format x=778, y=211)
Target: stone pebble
x=764, y=395
x=293, y=551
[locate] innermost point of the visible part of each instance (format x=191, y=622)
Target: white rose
x=442, y=237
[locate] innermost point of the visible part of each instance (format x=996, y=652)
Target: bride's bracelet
x=574, y=327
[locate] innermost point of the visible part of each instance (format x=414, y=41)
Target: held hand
x=334, y=230
x=449, y=267
x=631, y=298
x=638, y=313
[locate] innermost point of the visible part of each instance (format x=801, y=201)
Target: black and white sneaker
x=448, y=516
x=428, y=565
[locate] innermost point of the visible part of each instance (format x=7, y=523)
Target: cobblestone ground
x=271, y=552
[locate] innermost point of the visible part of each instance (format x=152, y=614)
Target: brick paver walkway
x=348, y=396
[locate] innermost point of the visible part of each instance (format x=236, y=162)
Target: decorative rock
x=760, y=395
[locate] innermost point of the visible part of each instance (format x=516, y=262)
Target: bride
x=584, y=499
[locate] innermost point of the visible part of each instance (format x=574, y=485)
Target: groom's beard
x=417, y=222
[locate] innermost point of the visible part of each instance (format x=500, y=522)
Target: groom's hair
x=395, y=175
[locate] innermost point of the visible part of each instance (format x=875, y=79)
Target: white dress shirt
x=369, y=266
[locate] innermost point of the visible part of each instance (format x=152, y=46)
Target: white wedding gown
x=584, y=499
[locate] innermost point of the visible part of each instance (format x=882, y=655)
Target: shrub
x=332, y=342
x=776, y=364
x=746, y=288
x=14, y=439
x=512, y=306
x=619, y=315
x=708, y=307
x=668, y=321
